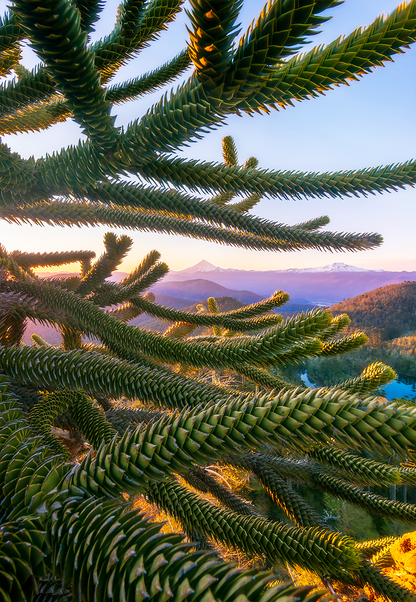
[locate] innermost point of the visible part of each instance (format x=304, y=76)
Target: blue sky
x=369, y=123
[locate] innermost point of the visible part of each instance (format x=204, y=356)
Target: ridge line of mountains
x=374, y=298
x=317, y=286
x=321, y=286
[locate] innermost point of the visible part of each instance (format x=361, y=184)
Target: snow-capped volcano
x=202, y=266
x=334, y=267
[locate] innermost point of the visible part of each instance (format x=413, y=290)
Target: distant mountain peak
x=202, y=266
x=336, y=267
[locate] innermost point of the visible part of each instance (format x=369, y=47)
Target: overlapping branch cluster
x=81, y=185
x=65, y=528
x=183, y=424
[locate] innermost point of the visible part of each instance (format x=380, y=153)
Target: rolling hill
x=385, y=313
x=200, y=289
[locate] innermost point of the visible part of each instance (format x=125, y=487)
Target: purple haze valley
x=307, y=287
x=320, y=286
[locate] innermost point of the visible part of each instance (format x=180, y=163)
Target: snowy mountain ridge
x=205, y=266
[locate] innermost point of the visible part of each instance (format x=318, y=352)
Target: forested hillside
x=383, y=314
x=388, y=317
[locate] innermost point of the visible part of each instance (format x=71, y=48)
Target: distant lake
x=403, y=387
x=305, y=378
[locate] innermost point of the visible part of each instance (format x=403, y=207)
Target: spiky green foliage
x=66, y=529
x=227, y=79
x=202, y=480
x=295, y=417
x=369, y=548
x=356, y=469
x=53, y=481
x=153, y=563
x=255, y=535
x=374, y=376
x=229, y=152
x=138, y=461
x=89, y=419
x=271, y=469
